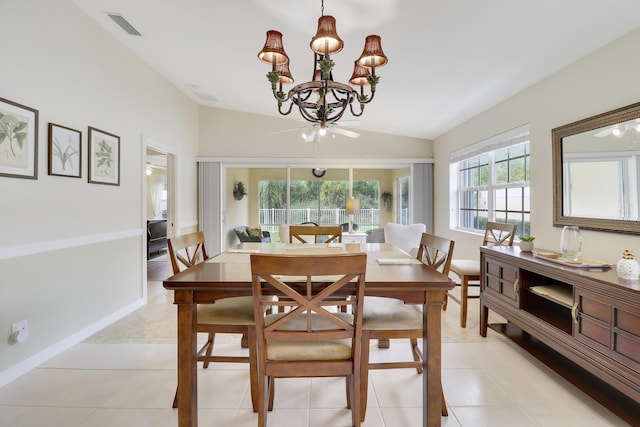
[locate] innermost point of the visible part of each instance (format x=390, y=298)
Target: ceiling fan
x=619, y=129
x=315, y=132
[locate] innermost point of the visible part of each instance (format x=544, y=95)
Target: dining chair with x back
x=308, y=339
x=468, y=270
x=388, y=318
x=228, y=316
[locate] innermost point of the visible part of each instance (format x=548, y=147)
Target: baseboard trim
x=48, y=353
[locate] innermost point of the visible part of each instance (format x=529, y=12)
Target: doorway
x=159, y=212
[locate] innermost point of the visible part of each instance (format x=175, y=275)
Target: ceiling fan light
x=273, y=50
x=372, y=54
x=326, y=41
x=360, y=74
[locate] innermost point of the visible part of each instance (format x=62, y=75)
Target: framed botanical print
x=65, y=151
x=18, y=140
x=104, y=157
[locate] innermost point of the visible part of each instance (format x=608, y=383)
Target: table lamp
x=353, y=208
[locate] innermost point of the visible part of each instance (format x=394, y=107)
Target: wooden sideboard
x=590, y=316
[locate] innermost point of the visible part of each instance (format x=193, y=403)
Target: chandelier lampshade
x=322, y=100
x=372, y=55
x=326, y=41
x=273, y=50
x=284, y=73
x=360, y=75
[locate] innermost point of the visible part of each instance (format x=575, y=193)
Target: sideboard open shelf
x=588, y=315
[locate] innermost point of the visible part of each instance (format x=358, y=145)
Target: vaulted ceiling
x=448, y=59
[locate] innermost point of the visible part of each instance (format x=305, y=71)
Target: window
x=403, y=200
x=321, y=200
x=490, y=182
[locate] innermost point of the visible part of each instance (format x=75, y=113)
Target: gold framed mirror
x=596, y=172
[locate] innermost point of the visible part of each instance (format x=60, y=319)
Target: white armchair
x=404, y=237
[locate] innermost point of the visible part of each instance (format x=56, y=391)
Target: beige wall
x=225, y=133
x=605, y=80
x=71, y=253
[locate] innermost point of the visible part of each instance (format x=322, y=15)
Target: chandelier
x=322, y=100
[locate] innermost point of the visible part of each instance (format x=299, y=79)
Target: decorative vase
x=571, y=242
x=628, y=268
x=526, y=246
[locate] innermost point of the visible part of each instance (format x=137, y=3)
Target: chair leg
x=364, y=373
x=354, y=391
x=444, y=411
x=175, y=400
x=348, y=387
x=464, y=297
x=417, y=353
x=244, y=341
x=263, y=397
x=253, y=368
x=446, y=301
x=209, y=344
x=272, y=392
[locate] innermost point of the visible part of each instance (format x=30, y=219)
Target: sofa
x=249, y=234
x=375, y=235
x=156, y=237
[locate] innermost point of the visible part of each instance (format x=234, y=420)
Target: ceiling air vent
x=124, y=24
x=206, y=96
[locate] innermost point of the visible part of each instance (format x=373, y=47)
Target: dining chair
x=226, y=316
x=468, y=270
x=309, y=339
x=303, y=233
x=388, y=318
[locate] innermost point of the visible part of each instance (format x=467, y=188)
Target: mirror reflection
x=597, y=171
x=600, y=172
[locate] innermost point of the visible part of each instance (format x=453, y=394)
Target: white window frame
x=489, y=146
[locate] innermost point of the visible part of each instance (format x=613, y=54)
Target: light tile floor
x=125, y=375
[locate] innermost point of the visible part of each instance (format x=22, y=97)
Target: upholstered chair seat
x=380, y=313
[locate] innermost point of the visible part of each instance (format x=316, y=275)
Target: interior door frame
x=172, y=201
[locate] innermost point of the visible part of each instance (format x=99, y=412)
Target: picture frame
x=104, y=157
x=65, y=151
x=18, y=140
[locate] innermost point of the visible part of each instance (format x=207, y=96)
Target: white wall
x=605, y=80
x=71, y=253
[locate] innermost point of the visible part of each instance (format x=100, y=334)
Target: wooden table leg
x=432, y=342
x=484, y=319
x=187, y=366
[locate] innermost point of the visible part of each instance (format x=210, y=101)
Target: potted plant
x=387, y=200
x=526, y=242
x=239, y=190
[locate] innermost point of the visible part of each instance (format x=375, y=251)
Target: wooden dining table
x=390, y=272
